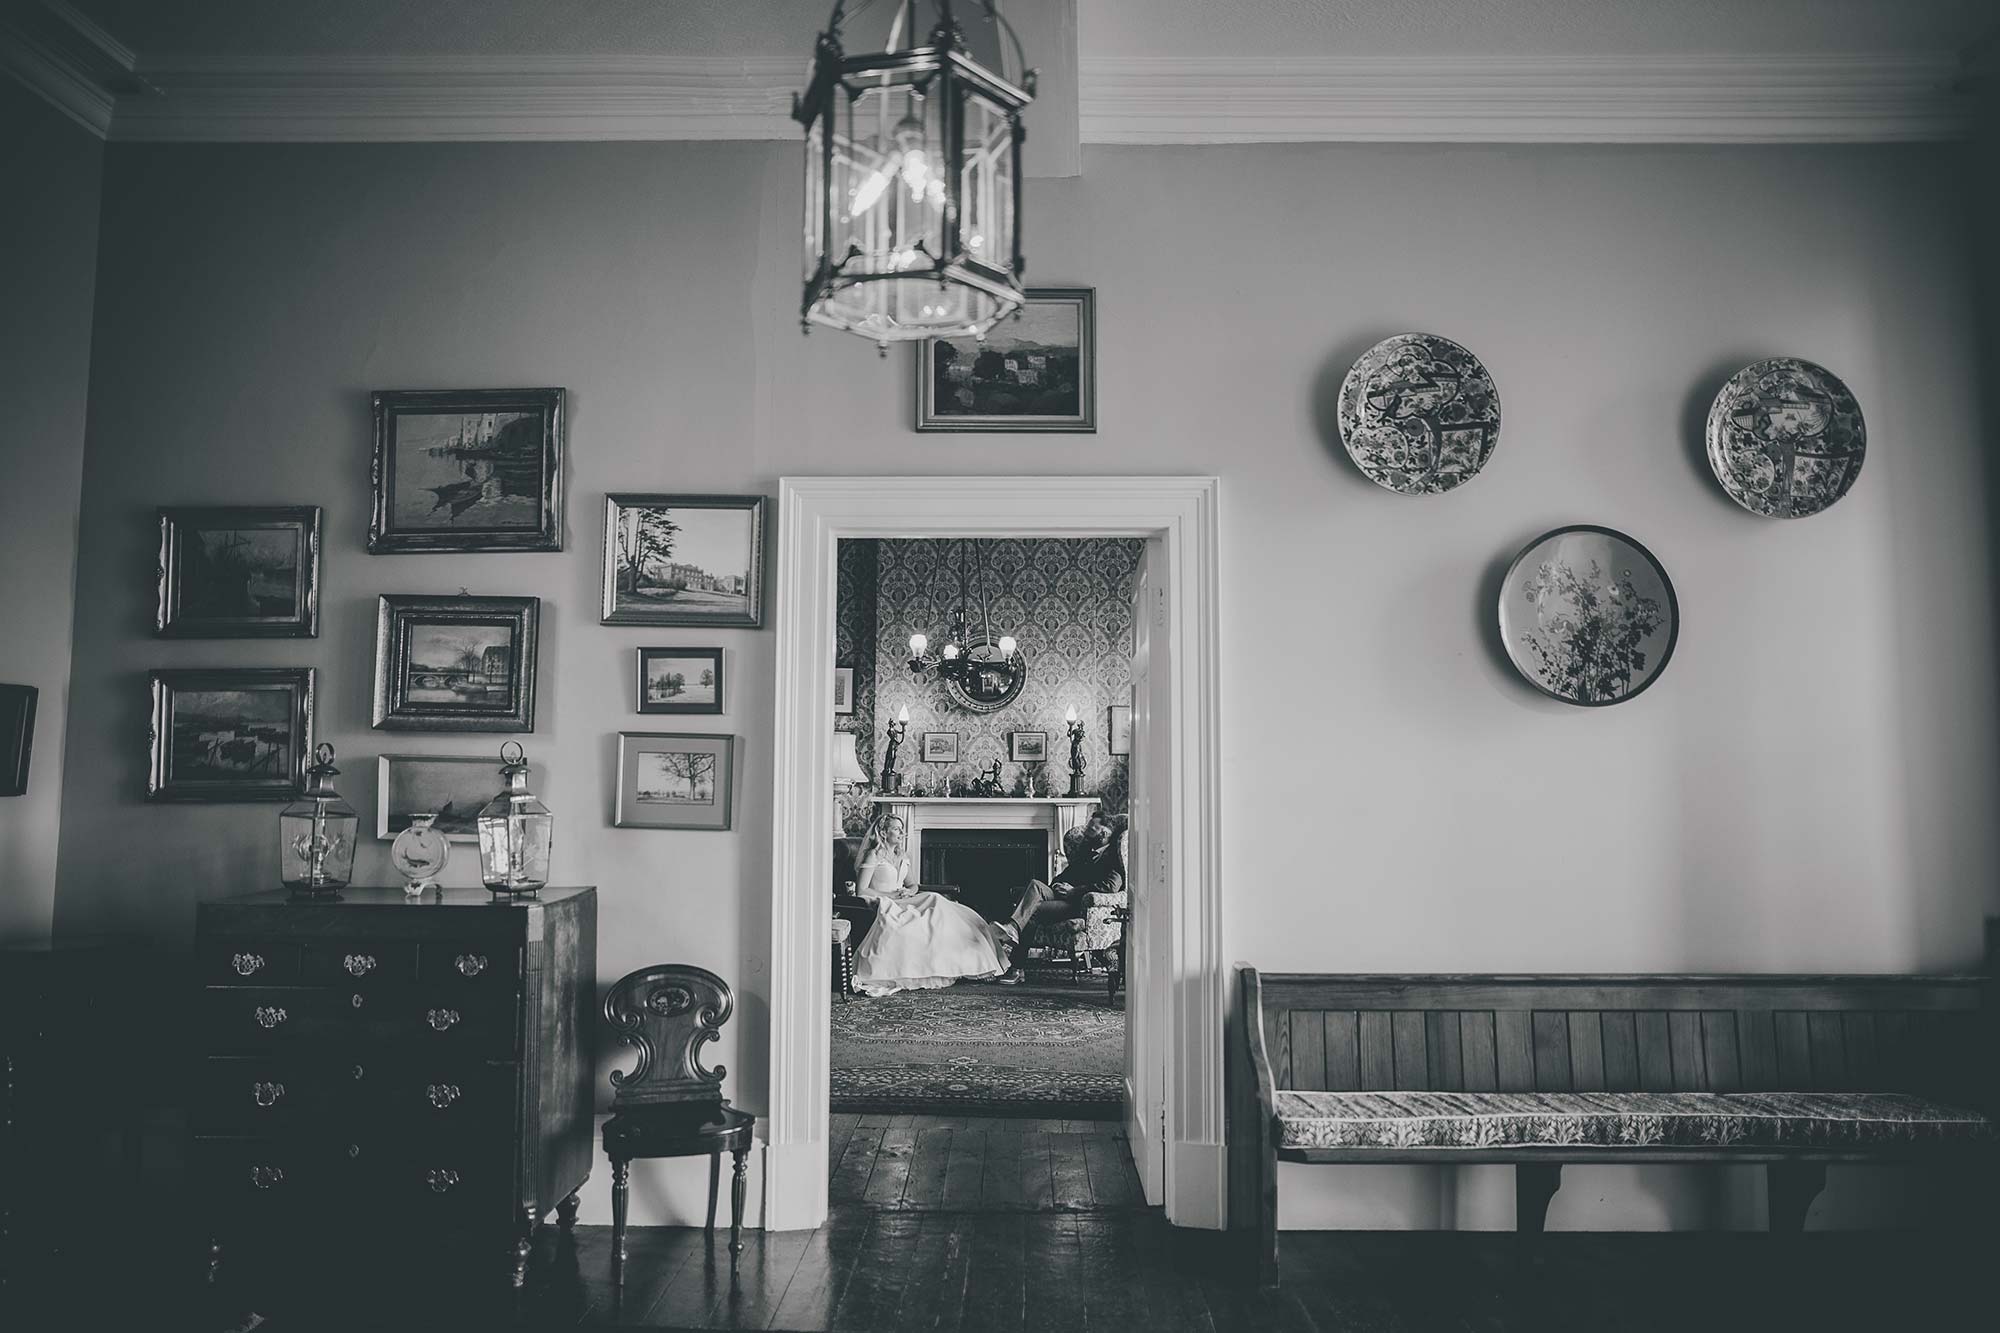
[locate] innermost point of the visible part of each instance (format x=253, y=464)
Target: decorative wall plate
x=1785, y=438
x=1588, y=615
x=1419, y=414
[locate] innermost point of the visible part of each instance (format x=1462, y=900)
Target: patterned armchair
x=1096, y=929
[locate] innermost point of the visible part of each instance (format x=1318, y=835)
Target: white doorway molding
x=1178, y=517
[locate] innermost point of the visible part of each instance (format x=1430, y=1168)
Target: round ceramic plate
x=1419, y=414
x=1588, y=615
x=1785, y=438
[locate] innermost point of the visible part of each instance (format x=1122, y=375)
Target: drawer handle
x=442, y=1094
x=442, y=1179
x=358, y=964
x=356, y=1000
x=247, y=964
x=270, y=1015
x=264, y=1177
x=267, y=1094
x=470, y=965
x=358, y=1072
x=441, y=1019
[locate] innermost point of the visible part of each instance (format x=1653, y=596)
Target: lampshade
x=847, y=770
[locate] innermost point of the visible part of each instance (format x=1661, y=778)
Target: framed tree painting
x=238, y=573
x=674, y=782
x=235, y=734
x=455, y=663
x=695, y=560
x=467, y=470
x=680, y=680
x=1035, y=371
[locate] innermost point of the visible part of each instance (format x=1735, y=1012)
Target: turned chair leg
x=737, y=1185
x=524, y=1246
x=566, y=1210
x=621, y=1188
x=714, y=1180
x=214, y=1259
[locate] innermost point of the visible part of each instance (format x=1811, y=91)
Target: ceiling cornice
x=1493, y=99
x=1130, y=100
x=76, y=66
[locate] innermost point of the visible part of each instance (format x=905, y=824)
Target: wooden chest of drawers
x=430, y=1062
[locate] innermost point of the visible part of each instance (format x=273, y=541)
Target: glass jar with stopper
x=316, y=834
x=515, y=830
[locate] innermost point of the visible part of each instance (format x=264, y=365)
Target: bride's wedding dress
x=921, y=941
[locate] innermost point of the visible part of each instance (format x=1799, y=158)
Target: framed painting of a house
x=694, y=560
x=1034, y=371
x=467, y=470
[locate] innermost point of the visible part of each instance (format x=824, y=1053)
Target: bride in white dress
x=920, y=940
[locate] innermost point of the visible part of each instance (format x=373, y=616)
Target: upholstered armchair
x=1097, y=927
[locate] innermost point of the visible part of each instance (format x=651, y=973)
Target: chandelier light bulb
x=950, y=652
x=1007, y=645
x=919, y=642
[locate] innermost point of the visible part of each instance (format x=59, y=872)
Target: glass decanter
x=515, y=830
x=420, y=853
x=316, y=833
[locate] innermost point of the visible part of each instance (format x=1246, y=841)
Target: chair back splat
x=668, y=1012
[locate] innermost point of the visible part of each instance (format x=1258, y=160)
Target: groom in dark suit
x=1093, y=864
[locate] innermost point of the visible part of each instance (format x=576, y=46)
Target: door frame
x=814, y=514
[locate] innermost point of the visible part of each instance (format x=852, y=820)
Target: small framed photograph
x=239, y=573
x=1028, y=747
x=843, y=691
x=454, y=787
x=674, y=781
x=455, y=663
x=693, y=560
x=1034, y=372
x=940, y=747
x=236, y=734
x=467, y=470
x=680, y=680
x=17, y=736
x=1118, y=730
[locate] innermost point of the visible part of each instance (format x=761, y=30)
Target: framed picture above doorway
x=1034, y=372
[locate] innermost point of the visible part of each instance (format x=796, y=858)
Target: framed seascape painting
x=680, y=680
x=467, y=470
x=940, y=747
x=695, y=560
x=452, y=787
x=671, y=781
x=239, y=573
x=1034, y=371
x=455, y=663
x=236, y=734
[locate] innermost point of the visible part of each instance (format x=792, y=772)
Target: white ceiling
x=1107, y=29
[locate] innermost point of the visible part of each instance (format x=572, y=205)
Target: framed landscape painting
x=843, y=691
x=680, y=680
x=1034, y=371
x=940, y=747
x=239, y=573
x=467, y=470
x=455, y=663
x=235, y=734
x=684, y=560
x=453, y=787
x=674, y=782
x=1028, y=747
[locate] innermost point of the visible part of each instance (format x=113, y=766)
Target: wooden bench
x=1790, y=1071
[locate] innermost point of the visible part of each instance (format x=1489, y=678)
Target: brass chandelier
x=912, y=189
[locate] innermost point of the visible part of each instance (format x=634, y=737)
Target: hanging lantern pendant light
x=913, y=170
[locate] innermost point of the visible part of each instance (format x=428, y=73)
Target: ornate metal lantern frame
x=913, y=172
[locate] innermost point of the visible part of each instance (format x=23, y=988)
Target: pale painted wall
x=48, y=237
x=1809, y=786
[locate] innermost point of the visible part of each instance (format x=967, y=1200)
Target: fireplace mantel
x=1055, y=814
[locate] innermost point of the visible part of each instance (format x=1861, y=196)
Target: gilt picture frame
x=455, y=663
x=467, y=470
x=230, y=734
x=238, y=572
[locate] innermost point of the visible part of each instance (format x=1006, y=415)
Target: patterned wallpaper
x=1068, y=602
x=854, y=645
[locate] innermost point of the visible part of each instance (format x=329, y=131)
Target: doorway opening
x=1171, y=1072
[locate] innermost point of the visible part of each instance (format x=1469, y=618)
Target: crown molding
x=76, y=66
x=402, y=99
x=1497, y=99
x=1125, y=100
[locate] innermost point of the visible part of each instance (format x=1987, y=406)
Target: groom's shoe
x=1013, y=976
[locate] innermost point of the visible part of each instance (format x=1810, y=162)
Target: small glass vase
x=420, y=853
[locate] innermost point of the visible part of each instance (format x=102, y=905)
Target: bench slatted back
x=1624, y=1034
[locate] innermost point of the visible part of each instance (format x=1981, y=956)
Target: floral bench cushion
x=1617, y=1120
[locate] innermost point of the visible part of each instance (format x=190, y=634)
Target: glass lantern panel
x=815, y=238
x=987, y=185
x=514, y=837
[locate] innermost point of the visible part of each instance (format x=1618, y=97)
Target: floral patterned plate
x=1419, y=414
x=1588, y=615
x=1786, y=438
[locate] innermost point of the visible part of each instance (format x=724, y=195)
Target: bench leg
x=1792, y=1187
x=1534, y=1185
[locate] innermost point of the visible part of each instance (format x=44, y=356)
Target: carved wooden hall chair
x=668, y=1105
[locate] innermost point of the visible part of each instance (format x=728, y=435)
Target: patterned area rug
x=996, y=1050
